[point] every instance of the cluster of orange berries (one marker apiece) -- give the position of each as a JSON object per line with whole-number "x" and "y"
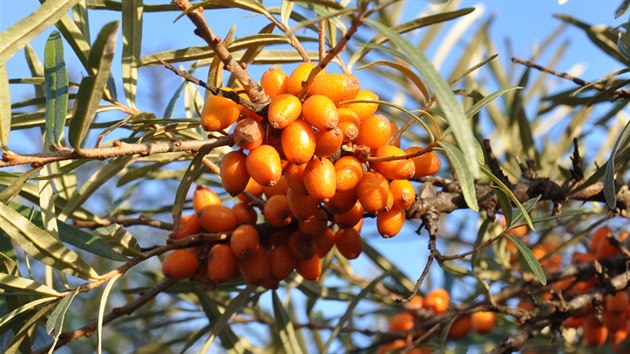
{"x": 436, "y": 302}
{"x": 313, "y": 167}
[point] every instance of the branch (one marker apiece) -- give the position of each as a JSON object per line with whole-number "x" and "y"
{"x": 124, "y": 221}
{"x": 10, "y": 158}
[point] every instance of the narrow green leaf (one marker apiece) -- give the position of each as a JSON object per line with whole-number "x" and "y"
{"x": 609, "y": 176}
{"x": 92, "y": 87}
{"x": 24, "y": 31}
{"x": 56, "y": 77}
{"x": 284, "y": 327}
{"x": 486, "y": 100}
{"x": 528, "y": 206}
{"x": 5, "y": 109}
{"x": 43, "y": 246}
{"x": 285, "y": 11}
{"x": 191, "y": 174}
{"x": 54, "y": 324}
{"x": 81, "y": 18}
{"x": 132, "y": 15}
{"x": 467, "y": 182}
{"x": 530, "y": 259}
{"x": 15, "y": 188}
{"x": 101, "y": 311}
{"x": 7, "y": 320}
{"x": 120, "y": 240}
{"x": 22, "y": 286}
{"x": 511, "y": 195}
{"x": 88, "y": 242}
{"x": 27, "y": 329}
{"x": 36, "y": 68}
{"x": 408, "y": 73}
{"x": 453, "y": 111}
{"x": 623, "y": 7}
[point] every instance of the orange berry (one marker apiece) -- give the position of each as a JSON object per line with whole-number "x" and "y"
{"x": 252, "y": 188}
{"x": 483, "y": 321}
{"x": 606, "y": 249}
{"x": 279, "y": 237}
{"x": 373, "y": 191}
{"x": 617, "y": 303}
{"x": 342, "y": 202}
{"x": 349, "y": 123}
{"x": 351, "y": 217}
{"x": 437, "y": 300}
{"x": 204, "y": 196}
{"x": 264, "y": 166}
{"x": 337, "y": 87}
{"x": 274, "y": 82}
{"x": 426, "y": 164}
{"x": 298, "y": 77}
{"x": 416, "y": 303}
{"x": 219, "y": 113}
{"x": 402, "y": 322}
{"x": 284, "y": 110}
{"x": 575, "y": 321}
{"x": 279, "y": 188}
{"x": 395, "y": 169}
{"x": 188, "y": 225}
{"x": 298, "y": 142}
{"x": 389, "y": 223}
{"x": 315, "y": 225}
{"x": 395, "y": 142}
{"x": 310, "y": 268}
{"x": 389, "y": 347}
{"x": 403, "y": 192}
{"x": 245, "y": 214}
{"x": 256, "y": 269}
{"x": 217, "y": 219}
{"x": 600, "y": 234}
{"x": 277, "y": 212}
{"x": 302, "y": 206}
{"x": 349, "y": 243}
{"x": 320, "y": 112}
{"x": 594, "y": 332}
{"x": 180, "y": 264}
{"x": 374, "y": 131}
{"x": 320, "y": 179}
{"x": 614, "y": 320}
{"x": 244, "y": 241}
{"x": 619, "y": 337}
{"x": 460, "y": 327}
{"x": 222, "y": 264}
{"x": 328, "y": 142}
{"x": 281, "y": 262}
{"x": 248, "y": 134}
{"x": 363, "y": 110}
{"x": 234, "y": 175}
{"x": 324, "y": 242}
{"x": 301, "y": 246}
{"x": 348, "y": 173}
{"x": 294, "y": 175}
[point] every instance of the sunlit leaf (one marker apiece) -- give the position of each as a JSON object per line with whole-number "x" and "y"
{"x": 132, "y": 15}
{"x": 22, "y": 286}
{"x": 24, "y": 332}
{"x": 530, "y": 259}
{"x": 54, "y": 324}
{"x": 5, "y": 109}
{"x": 56, "y": 77}
{"x": 408, "y": 73}
{"x": 284, "y": 326}
{"x": 101, "y": 311}
{"x": 467, "y": 182}
{"x": 14, "y": 315}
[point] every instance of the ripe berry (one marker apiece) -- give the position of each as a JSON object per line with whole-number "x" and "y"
{"x": 234, "y": 175}
{"x": 298, "y": 142}
{"x": 188, "y": 225}
{"x": 301, "y": 246}
{"x": 483, "y": 321}
{"x": 437, "y": 300}
{"x": 403, "y": 192}
{"x": 328, "y": 142}
{"x": 324, "y": 242}
{"x": 310, "y": 268}
{"x": 395, "y": 169}
{"x": 402, "y": 322}
{"x": 255, "y": 269}
{"x": 279, "y": 188}
{"x": 594, "y": 332}
{"x": 282, "y": 262}
{"x": 222, "y": 264}
{"x": 204, "y": 196}
{"x": 342, "y": 202}
{"x": 426, "y": 164}
{"x": 320, "y": 179}
{"x": 320, "y": 112}
{"x": 389, "y": 223}
{"x": 284, "y": 110}
{"x": 302, "y": 206}
{"x": 245, "y": 214}
{"x": 348, "y": 173}
{"x": 219, "y": 113}
{"x": 252, "y": 188}
{"x": 180, "y": 264}
{"x": 351, "y": 217}
{"x": 349, "y": 243}
{"x": 298, "y": 77}
{"x": 314, "y": 225}
{"x": 244, "y": 241}
{"x": 460, "y": 327}
{"x": 217, "y": 219}
{"x": 363, "y": 110}
{"x": 373, "y": 191}
{"x": 277, "y": 212}
{"x": 374, "y": 131}
{"x": 264, "y": 166}
{"x": 337, "y": 87}
{"x": 274, "y": 82}
{"x": 294, "y": 175}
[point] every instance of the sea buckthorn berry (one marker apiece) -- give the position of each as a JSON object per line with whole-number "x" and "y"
{"x": 245, "y": 214}
{"x": 217, "y": 219}
{"x": 320, "y": 179}
{"x": 328, "y": 142}
{"x": 416, "y": 303}
{"x": 282, "y": 262}
{"x": 460, "y": 327}
{"x": 277, "y": 212}
{"x": 309, "y": 269}
{"x": 302, "y": 206}
{"x": 594, "y": 332}
{"x": 348, "y": 173}
{"x": 320, "y": 112}
{"x": 437, "y": 300}
{"x": 351, "y": 217}
{"x": 298, "y": 142}
{"x": 222, "y": 264}
{"x": 180, "y": 264}
{"x": 274, "y": 82}
{"x": 606, "y": 249}
{"x": 394, "y": 169}
{"x": 301, "y": 246}
{"x": 324, "y": 242}
{"x": 233, "y": 170}
{"x": 600, "y": 234}
{"x": 349, "y": 243}
{"x": 315, "y": 225}
{"x": 204, "y": 196}
{"x": 256, "y": 269}
{"x": 298, "y": 77}
{"x": 277, "y": 238}
{"x": 575, "y": 321}
{"x": 363, "y": 110}
{"x": 389, "y": 347}
{"x": 264, "y": 166}
{"x": 244, "y": 241}
{"x": 483, "y": 321}
{"x": 396, "y": 141}
{"x": 374, "y": 131}
{"x": 617, "y": 303}
{"x": 248, "y": 134}
{"x": 427, "y": 164}
{"x": 188, "y": 225}
{"x": 337, "y": 87}
{"x": 349, "y": 123}
{"x": 389, "y": 223}
{"x": 294, "y": 175}
{"x": 373, "y": 191}
{"x": 342, "y": 202}
{"x": 613, "y": 321}
{"x": 219, "y": 113}
{"x": 284, "y": 110}
{"x": 252, "y": 188}
{"x": 403, "y": 192}
{"x": 279, "y": 188}
{"x": 402, "y": 322}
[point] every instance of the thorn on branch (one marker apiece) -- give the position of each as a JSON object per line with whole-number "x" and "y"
{"x": 576, "y": 170}
{"x": 493, "y": 163}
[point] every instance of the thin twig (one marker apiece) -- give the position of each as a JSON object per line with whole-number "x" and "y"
{"x": 124, "y": 221}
